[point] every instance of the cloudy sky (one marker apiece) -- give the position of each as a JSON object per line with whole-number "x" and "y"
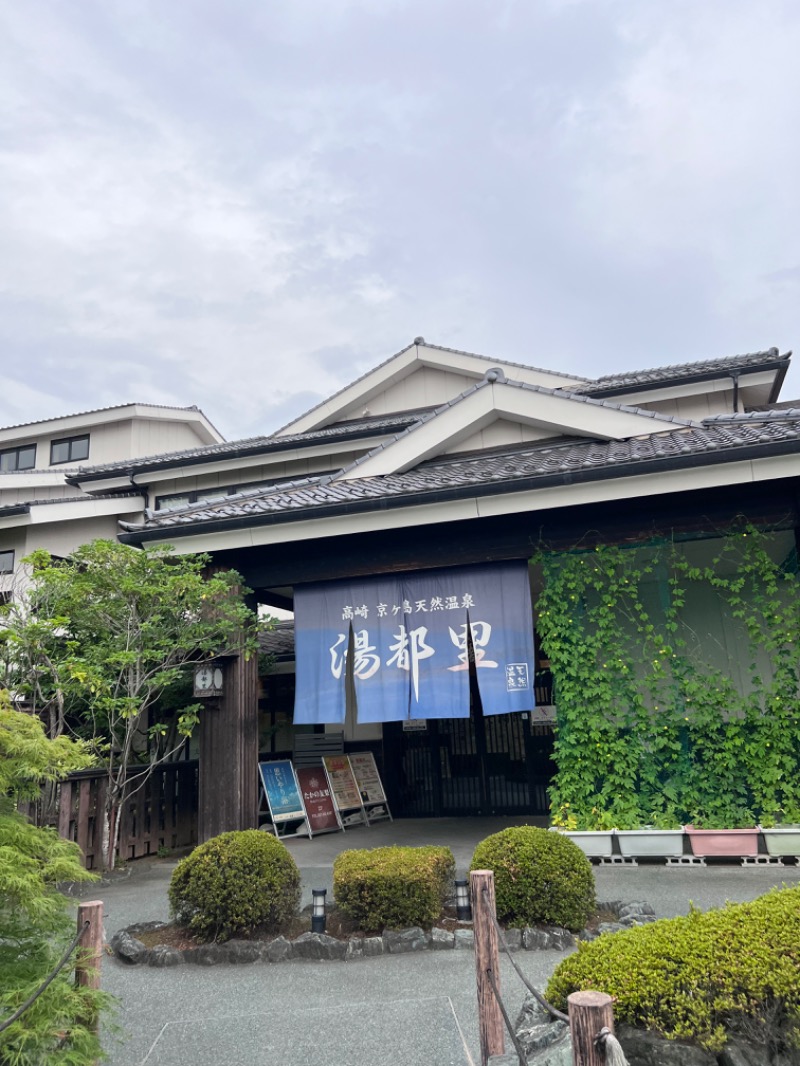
{"x": 244, "y": 204}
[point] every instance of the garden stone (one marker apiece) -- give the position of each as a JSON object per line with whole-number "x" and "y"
{"x": 164, "y": 955}
{"x": 631, "y": 920}
{"x": 242, "y": 951}
{"x": 539, "y": 1037}
{"x": 464, "y": 938}
{"x": 279, "y": 950}
{"x": 643, "y": 1048}
{"x": 404, "y": 940}
{"x": 211, "y": 954}
{"x": 609, "y": 927}
{"x": 319, "y": 946}
{"x": 373, "y": 945}
{"x": 355, "y": 948}
{"x": 535, "y": 939}
{"x": 128, "y": 949}
{"x": 737, "y": 1053}
{"x": 635, "y": 910}
{"x": 531, "y": 1013}
{"x": 561, "y": 939}
{"x": 513, "y": 939}
{"x": 441, "y": 940}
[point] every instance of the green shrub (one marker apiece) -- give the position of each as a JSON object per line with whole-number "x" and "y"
{"x": 389, "y": 888}
{"x": 539, "y": 876}
{"x": 736, "y": 968}
{"x": 234, "y": 883}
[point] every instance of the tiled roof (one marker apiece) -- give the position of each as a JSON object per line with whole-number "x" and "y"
{"x": 352, "y": 429}
{"x": 658, "y": 375}
{"x": 527, "y": 466}
{"x": 25, "y": 506}
{"x": 279, "y": 641}
{"x": 102, "y": 410}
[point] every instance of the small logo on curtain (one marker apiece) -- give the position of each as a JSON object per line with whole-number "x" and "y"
{"x": 516, "y": 676}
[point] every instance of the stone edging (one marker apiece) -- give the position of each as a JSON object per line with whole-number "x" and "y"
{"x": 319, "y": 946}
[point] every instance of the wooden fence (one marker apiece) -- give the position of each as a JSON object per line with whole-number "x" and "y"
{"x": 161, "y": 814}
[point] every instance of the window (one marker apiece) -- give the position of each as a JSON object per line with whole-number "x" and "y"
{"x": 69, "y": 450}
{"x": 23, "y": 458}
{"x": 6, "y": 562}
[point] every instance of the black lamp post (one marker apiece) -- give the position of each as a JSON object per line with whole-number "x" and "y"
{"x": 318, "y": 909}
{"x": 463, "y": 905}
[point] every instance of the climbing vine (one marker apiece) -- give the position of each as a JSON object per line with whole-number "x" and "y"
{"x": 652, "y": 727}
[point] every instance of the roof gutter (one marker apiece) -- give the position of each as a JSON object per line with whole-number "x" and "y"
{"x": 390, "y": 503}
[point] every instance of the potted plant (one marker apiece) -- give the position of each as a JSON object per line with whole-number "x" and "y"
{"x": 595, "y": 843}
{"x": 715, "y": 837}
{"x": 662, "y": 837}
{"x": 782, "y": 837}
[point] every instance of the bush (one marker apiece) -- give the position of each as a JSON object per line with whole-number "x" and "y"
{"x": 690, "y": 978}
{"x": 234, "y": 883}
{"x": 539, "y": 876}
{"x": 389, "y": 888}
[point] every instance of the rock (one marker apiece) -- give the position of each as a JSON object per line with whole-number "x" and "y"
{"x": 560, "y": 939}
{"x": 535, "y": 939}
{"x": 644, "y": 1048}
{"x": 513, "y": 938}
{"x": 211, "y": 954}
{"x": 280, "y": 949}
{"x": 464, "y": 938}
{"x": 737, "y": 1053}
{"x": 164, "y": 955}
{"x": 373, "y": 945}
{"x": 630, "y": 920}
{"x": 128, "y": 949}
{"x": 539, "y": 1037}
{"x": 146, "y": 927}
{"x": 531, "y": 1013}
{"x": 609, "y": 927}
{"x": 242, "y": 951}
{"x": 636, "y": 909}
{"x": 441, "y": 940}
{"x": 355, "y": 948}
{"x": 404, "y": 940}
{"x": 319, "y": 946}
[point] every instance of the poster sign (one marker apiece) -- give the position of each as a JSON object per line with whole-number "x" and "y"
{"x": 410, "y": 642}
{"x": 280, "y": 788}
{"x": 342, "y": 782}
{"x": 317, "y": 799}
{"x": 367, "y": 777}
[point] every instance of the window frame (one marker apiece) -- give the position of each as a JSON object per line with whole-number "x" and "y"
{"x": 69, "y": 441}
{"x": 16, "y": 451}
{"x": 9, "y": 552}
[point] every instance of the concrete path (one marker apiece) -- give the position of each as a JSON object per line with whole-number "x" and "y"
{"x": 408, "y": 1009}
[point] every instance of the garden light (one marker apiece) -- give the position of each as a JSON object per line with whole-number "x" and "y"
{"x": 463, "y": 905}
{"x": 318, "y": 909}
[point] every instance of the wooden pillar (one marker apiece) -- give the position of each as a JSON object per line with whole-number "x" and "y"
{"x": 90, "y": 945}
{"x": 228, "y": 770}
{"x": 589, "y": 1012}
{"x": 490, "y": 1018}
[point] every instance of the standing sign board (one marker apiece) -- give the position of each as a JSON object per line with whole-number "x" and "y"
{"x": 344, "y": 789}
{"x": 284, "y": 801}
{"x": 315, "y": 790}
{"x": 370, "y": 786}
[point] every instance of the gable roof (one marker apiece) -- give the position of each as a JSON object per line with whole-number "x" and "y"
{"x": 118, "y": 411}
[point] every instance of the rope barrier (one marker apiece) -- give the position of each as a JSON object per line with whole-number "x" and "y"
{"x": 514, "y": 1040}
{"x": 32, "y": 999}
{"x": 611, "y": 1047}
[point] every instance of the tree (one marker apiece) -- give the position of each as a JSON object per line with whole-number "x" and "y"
{"x": 36, "y": 926}
{"x": 106, "y": 635}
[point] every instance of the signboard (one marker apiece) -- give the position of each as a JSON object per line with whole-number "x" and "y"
{"x": 367, "y": 777}
{"x": 280, "y": 788}
{"x": 316, "y": 793}
{"x": 408, "y": 644}
{"x": 342, "y": 782}
{"x": 415, "y": 725}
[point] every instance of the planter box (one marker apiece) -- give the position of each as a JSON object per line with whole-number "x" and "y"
{"x": 782, "y": 840}
{"x": 731, "y": 843}
{"x": 655, "y": 843}
{"x": 594, "y": 843}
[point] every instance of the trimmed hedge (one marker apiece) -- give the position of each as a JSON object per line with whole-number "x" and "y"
{"x": 691, "y": 978}
{"x": 389, "y": 888}
{"x": 234, "y": 883}
{"x": 539, "y": 876}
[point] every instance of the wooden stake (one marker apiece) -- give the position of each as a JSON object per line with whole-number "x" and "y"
{"x": 490, "y": 1019}
{"x": 90, "y": 945}
{"x": 588, "y": 1013}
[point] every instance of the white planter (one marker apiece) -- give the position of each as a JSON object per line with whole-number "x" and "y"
{"x": 783, "y": 840}
{"x": 594, "y": 843}
{"x": 655, "y": 843}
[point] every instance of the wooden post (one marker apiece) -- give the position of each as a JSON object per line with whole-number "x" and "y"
{"x": 90, "y": 945}
{"x": 589, "y": 1012}
{"x": 490, "y": 1018}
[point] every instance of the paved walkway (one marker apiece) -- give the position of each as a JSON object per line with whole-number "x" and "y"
{"x": 412, "y": 1010}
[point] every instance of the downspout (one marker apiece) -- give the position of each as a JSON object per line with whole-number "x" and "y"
{"x": 735, "y": 380}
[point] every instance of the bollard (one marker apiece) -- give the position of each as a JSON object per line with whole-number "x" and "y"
{"x": 490, "y": 1018}
{"x": 90, "y": 945}
{"x": 589, "y": 1012}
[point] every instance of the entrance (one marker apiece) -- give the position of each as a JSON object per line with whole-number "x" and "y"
{"x": 499, "y": 764}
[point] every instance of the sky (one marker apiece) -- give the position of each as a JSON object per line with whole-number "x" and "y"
{"x": 245, "y": 205}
